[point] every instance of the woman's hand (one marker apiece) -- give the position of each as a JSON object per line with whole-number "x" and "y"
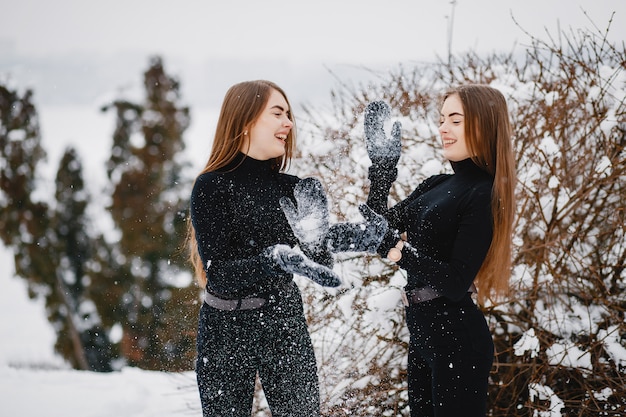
{"x": 359, "y": 237}
{"x": 309, "y": 217}
{"x": 382, "y": 150}
{"x": 294, "y": 262}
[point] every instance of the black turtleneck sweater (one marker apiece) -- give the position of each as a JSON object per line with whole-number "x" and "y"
{"x": 236, "y": 215}
{"x": 448, "y": 222}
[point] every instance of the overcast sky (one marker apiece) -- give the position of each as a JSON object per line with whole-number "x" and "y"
{"x": 78, "y": 54}
{"x": 74, "y": 50}
{"x": 344, "y": 30}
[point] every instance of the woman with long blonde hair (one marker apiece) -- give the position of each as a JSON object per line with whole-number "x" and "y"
{"x": 452, "y": 236}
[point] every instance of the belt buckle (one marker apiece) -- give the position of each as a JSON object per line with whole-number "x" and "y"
{"x": 405, "y": 300}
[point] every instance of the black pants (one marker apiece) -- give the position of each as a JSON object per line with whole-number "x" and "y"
{"x": 450, "y": 357}
{"x": 234, "y": 346}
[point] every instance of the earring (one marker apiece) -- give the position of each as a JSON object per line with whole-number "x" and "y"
{"x": 245, "y": 133}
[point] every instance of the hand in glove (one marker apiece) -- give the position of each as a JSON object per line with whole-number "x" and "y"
{"x": 309, "y": 219}
{"x": 359, "y": 237}
{"x": 381, "y": 150}
{"x": 294, "y": 262}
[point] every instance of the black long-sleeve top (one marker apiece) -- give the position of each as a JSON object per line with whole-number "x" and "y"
{"x": 448, "y": 222}
{"x": 236, "y": 215}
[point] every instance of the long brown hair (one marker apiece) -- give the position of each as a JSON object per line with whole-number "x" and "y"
{"x": 243, "y": 104}
{"x": 488, "y": 135}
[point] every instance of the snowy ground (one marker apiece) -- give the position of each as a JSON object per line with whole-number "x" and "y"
{"x": 63, "y": 393}
{"x": 35, "y": 382}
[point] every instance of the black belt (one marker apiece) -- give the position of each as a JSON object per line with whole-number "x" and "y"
{"x": 232, "y": 305}
{"x": 422, "y": 294}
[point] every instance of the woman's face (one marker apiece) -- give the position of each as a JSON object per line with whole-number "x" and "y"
{"x": 267, "y": 135}
{"x": 452, "y": 129}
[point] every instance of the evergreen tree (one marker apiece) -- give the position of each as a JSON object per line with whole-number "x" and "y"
{"x": 53, "y": 251}
{"x": 88, "y": 346}
{"x": 50, "y": 244}
{"x": 20, "y": 142}
{"x": 147, "y": 208}
{"x": 23, "y": 222}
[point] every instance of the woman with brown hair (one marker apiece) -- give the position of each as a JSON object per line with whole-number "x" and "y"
{"x": 251, "y": 321}
{"x": 452, "y": 236}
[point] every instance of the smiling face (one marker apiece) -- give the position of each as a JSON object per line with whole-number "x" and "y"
{"x": 267, "y": 136}
{"x": 452, "y": 129}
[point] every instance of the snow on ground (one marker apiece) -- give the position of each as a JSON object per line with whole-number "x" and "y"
{"x": 36, "y": 382}
{"x": 68, "y": 393}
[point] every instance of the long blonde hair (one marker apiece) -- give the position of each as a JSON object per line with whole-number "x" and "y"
{"x": 242, "y": 106}
{"x": 488, "y": 135}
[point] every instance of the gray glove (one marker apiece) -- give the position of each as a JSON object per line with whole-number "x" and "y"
{"x": 359, "y": 237}
{"x": 294, "y": 262}
{"x": 381, "y": 150}
{"x": 309, "y": 219}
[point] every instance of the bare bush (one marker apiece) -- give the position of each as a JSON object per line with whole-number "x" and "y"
{"x": 561, "y": 338}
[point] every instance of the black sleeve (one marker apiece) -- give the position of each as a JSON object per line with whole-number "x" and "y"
{"x": 395, "y": 216}
{"x": 381, "y": 179}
